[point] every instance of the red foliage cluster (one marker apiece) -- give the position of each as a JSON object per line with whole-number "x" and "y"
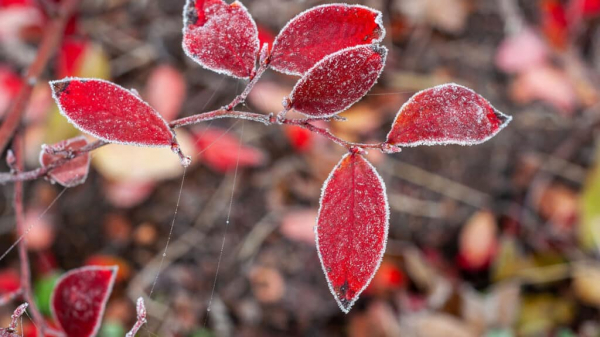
{"x": 335, "y": 49}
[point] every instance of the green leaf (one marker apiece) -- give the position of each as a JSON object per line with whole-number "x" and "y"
{"x": 42, "y": 290}
{"x": 112, "y": 329}
{"x": 589, "y": 227}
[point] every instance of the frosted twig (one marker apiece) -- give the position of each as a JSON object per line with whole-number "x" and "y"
{"x": 225, "y": 112}
{"x": 14, "y": 318}
{"x": 141, "y": 318}
{"x": 21, "y": 229}
{"x": 241, "y": 98}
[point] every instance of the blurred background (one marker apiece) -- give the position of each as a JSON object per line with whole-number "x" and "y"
{"x": 498, "y": 239}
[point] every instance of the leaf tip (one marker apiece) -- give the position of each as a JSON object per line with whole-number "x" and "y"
{"x": 381, "y": 50}
{"x": 503, "y": 118}
{"x": 59, "y": 86}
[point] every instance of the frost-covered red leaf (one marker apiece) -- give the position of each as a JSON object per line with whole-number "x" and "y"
{"x": 446, "y": 114}
{"x": 338, "y": 81}
{"x": 110, "y": 112}
{"x": 321, "y": 31}
{"x": 75, "y": 171}
{"x": 79, "y": 299}
{"x": 352, "y": 228}
{"x": 220, "y": 37}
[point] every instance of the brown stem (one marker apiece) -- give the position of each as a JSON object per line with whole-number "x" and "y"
{"x": 21, "y": 230}
{"x": 47, "y": 48}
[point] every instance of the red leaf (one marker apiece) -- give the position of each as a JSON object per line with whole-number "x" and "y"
{"x": 110, "y": 112}
{"x": 69, "y": 56}
{"x": 10, "y": 281}
{"x": 300, "y": 138}
{"x": 446, "y": 114}
{"x": 321, "y": 31}
{"x": 10, "y": 84}
{"x": 338, "y": 81}
{"x": 221, "y": 37}
{"x": 555, "y": 23}
{"x": 79, "y": 299}
{"x": 222, "y": 151}
{"x": 352, "y": 228}
{"x": 75, "y": 171}
{"x": 166, "y": 90}
{"x": 265, "y": 36}
{"x": 589, "y": 8}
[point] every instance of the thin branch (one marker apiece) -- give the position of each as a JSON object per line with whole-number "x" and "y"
{"x": 360, "y": 147}
{"x": 42, "y": 172}
{"x": 225, "y": 112}
{"x": 14, "y": 318}
{"x": 21, "y": 230}
{"x": 241, "y": 98}
{"x": 221, "y": 113}
{"x": 47, "y": 48}
{"x": 141, "y": 318}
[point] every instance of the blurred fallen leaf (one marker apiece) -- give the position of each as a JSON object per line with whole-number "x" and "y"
{"x": 546, "y": 83}
{"x": 222, "y": 151}
{"x": 105, "y": 260}
{"x": 379, "y": 320}
{"x": 419, "y": 270}
{"x": 42, "y": 233}
{"x": 298, "y": 225}
{"x": 521, "y": 51}
{"x": 434, "y": 325}
{"x": 80, "y": 57}
{"x": 268, "y": 285}
{"x": 361, "y": 119}
{"x": 10, "y": 84}
{"x": 478, "y": 241}
{"x": 16, "y": 17}
{"x": 300, "y": 138}
{"x": 10, "y": 281}
{"x": 554, "y": 22}
{"x": 540, "y": 314}
{"x": 165, "y": 91}
{"x": 267, "y": 96}
{"x": 130, "y": 164}
{"x": 509, "y": 260}
{"x": 559, "y": 204}
{"x": 588, "y": 231}
{"x": 117, "y": 227}
{"x": 586, "y": 283}
{"x": 446, "y": 15}
{"x": 124, "y": 194}
{"x": 499, "y": 307}
{"x": 388, "y": 277}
